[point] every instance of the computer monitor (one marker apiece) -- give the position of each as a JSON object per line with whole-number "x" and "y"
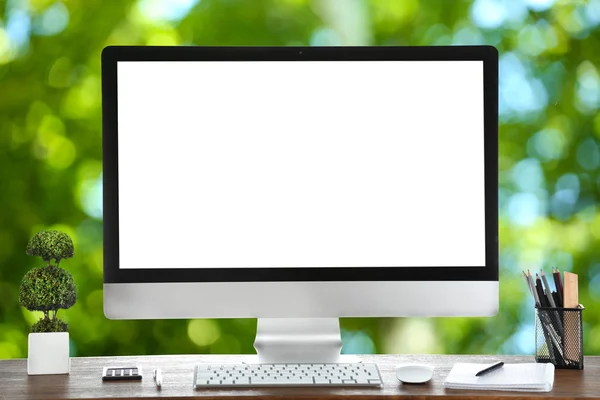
{"x": 298, "y": 185}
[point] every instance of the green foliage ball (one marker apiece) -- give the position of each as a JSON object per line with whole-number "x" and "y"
{"x": 51, "y": 245}
{"x": 47, "y": 288}
{"x": 49, "y": 325}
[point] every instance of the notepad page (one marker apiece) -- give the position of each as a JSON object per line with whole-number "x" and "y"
{"x": 518, "y": 377}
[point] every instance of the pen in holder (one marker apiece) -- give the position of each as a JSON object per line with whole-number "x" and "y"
{"x": 559, "y": 336}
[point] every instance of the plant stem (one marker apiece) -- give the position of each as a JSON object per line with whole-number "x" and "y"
{"x": 54, "y": 316}
{"x": 46, "y": 315}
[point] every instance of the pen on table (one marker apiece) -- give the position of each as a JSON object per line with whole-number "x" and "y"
{"x": 491, "y": 368}
{"x": 158, "y": 378}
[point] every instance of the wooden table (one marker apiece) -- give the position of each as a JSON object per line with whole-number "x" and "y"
{"x": 84, "y": 381}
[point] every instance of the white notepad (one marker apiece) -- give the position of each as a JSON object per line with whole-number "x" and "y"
{"x": 527, "y": 377}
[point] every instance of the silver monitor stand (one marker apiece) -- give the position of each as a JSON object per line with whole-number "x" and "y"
{"x": 299, "y": 340}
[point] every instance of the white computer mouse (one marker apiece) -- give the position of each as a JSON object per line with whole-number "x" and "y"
{"x": 414, "y": 373}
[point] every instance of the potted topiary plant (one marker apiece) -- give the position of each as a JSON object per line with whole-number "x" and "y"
{"x": 48, "y": 289}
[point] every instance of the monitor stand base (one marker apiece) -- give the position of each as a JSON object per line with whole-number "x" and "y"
{"x": 299, "y": 340}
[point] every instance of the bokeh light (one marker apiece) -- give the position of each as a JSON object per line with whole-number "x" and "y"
{"x": 51, "y": 169}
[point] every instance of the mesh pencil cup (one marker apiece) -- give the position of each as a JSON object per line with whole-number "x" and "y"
{"x": 559, "y": 336}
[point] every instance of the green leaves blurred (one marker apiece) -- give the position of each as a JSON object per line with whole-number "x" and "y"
{"x": 50, "y": 149}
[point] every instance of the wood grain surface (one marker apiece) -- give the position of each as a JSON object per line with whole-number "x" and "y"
{"x": 84, "y": 381}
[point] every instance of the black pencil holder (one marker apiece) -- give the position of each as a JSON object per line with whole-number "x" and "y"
{"x": 559, "y": 337}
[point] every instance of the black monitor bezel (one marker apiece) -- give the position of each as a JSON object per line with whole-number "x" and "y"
{"x": 113, "y": 54}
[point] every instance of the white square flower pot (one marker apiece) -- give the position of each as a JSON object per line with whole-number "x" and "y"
{"x": 48, "y": 353}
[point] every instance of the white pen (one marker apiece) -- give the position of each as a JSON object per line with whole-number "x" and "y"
{"x": 158, "y": 378}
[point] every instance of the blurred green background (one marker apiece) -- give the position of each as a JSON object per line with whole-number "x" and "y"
{"x": 50, "y": 151}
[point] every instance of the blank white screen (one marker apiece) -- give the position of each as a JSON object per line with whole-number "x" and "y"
{"x": 301, "y": 164}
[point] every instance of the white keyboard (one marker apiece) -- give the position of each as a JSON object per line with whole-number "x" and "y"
{"x": 254, "y": 375}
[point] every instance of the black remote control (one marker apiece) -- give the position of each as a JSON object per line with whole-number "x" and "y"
{"x": 121, "y": 374}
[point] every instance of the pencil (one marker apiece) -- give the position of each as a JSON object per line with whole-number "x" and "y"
{"x": 548, "y": 291}
{"x": 559, "y": 288}
{"x": 527, "y": 283}
{"x": 540, "y": 291}
{"x": 555, "y": 316}
{"x": 533, "y": 292}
